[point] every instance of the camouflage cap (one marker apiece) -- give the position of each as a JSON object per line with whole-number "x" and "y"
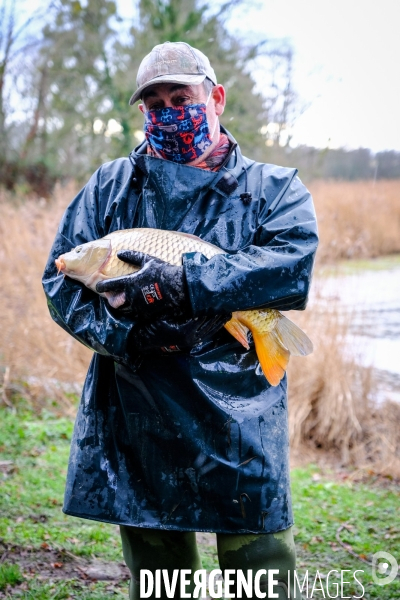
{"x": 173, "y": 62}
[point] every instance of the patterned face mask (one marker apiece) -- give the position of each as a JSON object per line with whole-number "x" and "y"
{"x": 179, "y": 134}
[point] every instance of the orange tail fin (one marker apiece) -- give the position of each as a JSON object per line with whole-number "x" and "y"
{"x": 273, "y": 357}
{"x": 273, "y": 346}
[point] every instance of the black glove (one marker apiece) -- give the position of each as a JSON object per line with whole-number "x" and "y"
{"x": 157, "y": 290}
{"x": 170, "y": 336}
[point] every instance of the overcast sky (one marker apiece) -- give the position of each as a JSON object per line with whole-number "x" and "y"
{"x": 347, "y": 66}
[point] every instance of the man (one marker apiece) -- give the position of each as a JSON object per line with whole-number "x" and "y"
{"x": 178, "y": 430}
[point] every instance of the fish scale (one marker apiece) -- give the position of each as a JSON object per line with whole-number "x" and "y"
{"x": 160, "y": 244}
{"x": 263, "y": 320}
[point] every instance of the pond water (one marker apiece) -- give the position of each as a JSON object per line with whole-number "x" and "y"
{"x": 370, "y": 300}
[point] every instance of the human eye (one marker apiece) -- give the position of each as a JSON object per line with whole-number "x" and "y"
{"x": 155, "y": 106}
{"x": 181, "y": 100}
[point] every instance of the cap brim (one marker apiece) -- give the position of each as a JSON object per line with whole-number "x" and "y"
{"x": 184, "y": 79}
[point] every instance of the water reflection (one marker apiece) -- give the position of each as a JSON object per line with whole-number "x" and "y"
{"x": 372, "y": 299}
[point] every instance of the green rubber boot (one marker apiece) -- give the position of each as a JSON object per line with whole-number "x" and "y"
{"x": 264, "y": 551}
{"x": 154, "y": 549}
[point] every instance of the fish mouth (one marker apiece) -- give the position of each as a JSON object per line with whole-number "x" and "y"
{"x": 60, "y": 264}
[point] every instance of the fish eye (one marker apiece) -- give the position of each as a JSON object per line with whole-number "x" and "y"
{"x": 78, "y": 249}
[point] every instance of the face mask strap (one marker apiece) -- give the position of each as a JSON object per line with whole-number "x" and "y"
{"x": 216, "y": 122}
{"x": 215, "y": 127}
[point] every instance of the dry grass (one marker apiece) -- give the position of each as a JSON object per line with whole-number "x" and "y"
{"x": 331, "y": 398}
{"x": 357, "y": 219}
{"x": 35, "y": 354}
{"x": 332, "y": 402}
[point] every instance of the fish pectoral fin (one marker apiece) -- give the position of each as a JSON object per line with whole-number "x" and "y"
{"x": 238, "y": 330}
{"x": 115, "y": 299}
{"x": 292, "y": 337}
{"x": 273, "y": 356}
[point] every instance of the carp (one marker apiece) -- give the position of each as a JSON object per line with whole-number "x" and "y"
{"x": 275, "y": 336}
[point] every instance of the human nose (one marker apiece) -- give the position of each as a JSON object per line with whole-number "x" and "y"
{"x": 173, "y": 102}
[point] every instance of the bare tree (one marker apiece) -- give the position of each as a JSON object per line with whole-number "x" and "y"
{"x": 272, "y": 66}
{"x": 17, "y": 39}
{"x": 281, "y": 100}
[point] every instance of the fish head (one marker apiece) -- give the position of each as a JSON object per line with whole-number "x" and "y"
{"x": 85, "y": 262}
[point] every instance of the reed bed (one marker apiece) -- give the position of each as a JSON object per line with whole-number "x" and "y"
{"x": 332, "y": 401}
{"x": 331, "y": 398}
{"x": 38, "y": 359}
{"x": 359, "y": 219}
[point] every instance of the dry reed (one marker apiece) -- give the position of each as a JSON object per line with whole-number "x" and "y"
{"x": 332, "y": 401}
{"x": 36, "y": 356}
{"x": 331, "y": 398}
{"x": 358, "y": 219}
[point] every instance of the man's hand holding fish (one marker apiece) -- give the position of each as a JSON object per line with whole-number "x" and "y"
{"x": 156, "y": 290}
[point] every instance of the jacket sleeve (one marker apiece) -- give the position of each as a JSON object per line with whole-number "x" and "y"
{"x": 80, "y": 311}
{"x": 274, "y": 271}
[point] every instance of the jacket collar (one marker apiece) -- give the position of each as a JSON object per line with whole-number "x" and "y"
{"x": 226, "y": 181}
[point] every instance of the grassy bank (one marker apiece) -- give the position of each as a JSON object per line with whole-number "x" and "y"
{"x": 358, "y": 266}
{"x": 46, "y": 555}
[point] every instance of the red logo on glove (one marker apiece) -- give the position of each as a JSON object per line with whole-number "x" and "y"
{"x": 169, "y": 349}
{"x": 151, "y": 293}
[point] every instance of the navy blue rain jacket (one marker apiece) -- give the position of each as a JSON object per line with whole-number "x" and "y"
{"x": 195, "y": 440}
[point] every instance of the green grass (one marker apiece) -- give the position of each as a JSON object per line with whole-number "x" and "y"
{"x": 31, "y": 491}
{"x": 371, "y": 513}
{"x": 31, "y": 497}
{"x": 359, "y": 265}
{"x": 11, "y": 575}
